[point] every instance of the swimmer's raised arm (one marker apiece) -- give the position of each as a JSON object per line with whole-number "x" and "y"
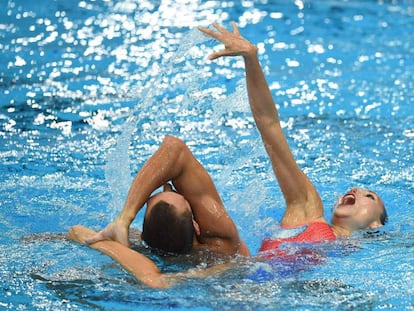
{"x": 161, "y": 167}
{"x": 303, "y": 203}
{"x": 174, "y": 162}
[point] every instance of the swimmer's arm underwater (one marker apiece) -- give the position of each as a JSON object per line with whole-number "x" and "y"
{"x": 141, "y": 267}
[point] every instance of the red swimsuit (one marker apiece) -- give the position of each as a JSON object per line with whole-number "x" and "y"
{"x": 316, "y": 232}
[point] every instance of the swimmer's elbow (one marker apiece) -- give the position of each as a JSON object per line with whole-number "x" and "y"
{"x": 173, "y": 142}
{"x": 159, "y": 281}
{"x": 243, "y": 249}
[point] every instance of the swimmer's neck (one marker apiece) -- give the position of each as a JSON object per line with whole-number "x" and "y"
{"x": 341, "y": 231}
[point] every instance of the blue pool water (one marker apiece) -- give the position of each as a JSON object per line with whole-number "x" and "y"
{"x": 90, "y": 88}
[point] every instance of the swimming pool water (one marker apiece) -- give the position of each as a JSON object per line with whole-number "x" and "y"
{"x": 90, "y": 88}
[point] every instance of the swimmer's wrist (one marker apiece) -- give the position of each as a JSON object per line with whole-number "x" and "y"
{"x": 124, "y": 220}
{"x": 251, "y": 52}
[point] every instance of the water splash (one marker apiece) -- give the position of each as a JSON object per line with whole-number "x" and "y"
{"x": 118, "y": 164}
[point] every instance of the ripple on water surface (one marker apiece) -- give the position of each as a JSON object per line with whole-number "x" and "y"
{"x": 89, "y": 89}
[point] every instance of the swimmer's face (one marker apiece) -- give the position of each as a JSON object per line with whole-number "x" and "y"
{"x": 358, "y": 209}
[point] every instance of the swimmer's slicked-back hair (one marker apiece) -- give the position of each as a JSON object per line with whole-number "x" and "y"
{"x": 384, "y": 217}
{"x": 166, "y": 231}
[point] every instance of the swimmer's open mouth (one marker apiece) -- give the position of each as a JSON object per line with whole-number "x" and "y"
{"x": 348, "y": 199}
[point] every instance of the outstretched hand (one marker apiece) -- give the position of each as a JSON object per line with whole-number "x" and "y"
{"x": 80, "y": 234}
{"x": 234, "y": 43}
{"x": 115, "y": 231}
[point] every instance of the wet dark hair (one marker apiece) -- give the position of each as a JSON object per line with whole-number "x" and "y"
{"x": 166, "y": 231}
{"x": 384, "y": 217}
